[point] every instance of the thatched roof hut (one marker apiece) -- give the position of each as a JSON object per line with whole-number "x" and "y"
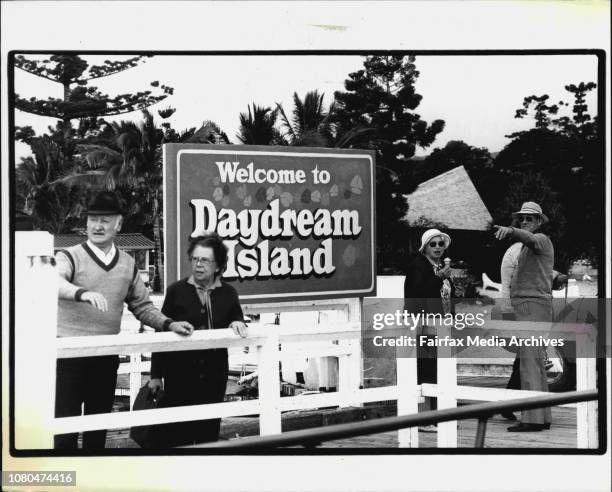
{"x": 450, "y": 202}
{"x": 450, "y": 199}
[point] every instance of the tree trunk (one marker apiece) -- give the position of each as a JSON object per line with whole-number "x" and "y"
{"x": 158, "y": 280}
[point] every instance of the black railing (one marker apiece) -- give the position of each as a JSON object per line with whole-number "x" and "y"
{"x": 311, "y": 438}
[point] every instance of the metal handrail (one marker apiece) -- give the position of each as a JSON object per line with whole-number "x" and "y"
{"x": 482, "y": 411}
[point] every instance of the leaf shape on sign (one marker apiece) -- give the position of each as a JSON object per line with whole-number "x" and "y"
{"x": 226, "y": 189}
{"x": 357, "y": 185}
{"x": 260, "y": 196}
{"x": 270, "y": 193}
{"x": 247, "y": 201}
{"x": 241, "y": 192}
{"x": 347, "y": 193}
{"x": 325, "y": 199}
{"x": 218, "y": 194}
{"x": 349, "y": 256}
{"x": 333, "y": 191}
{"x": 305, "y": 198}
{"x": 315, "y": 196}
{"x": 226, "y": 200}
{"x": 286, "y": 199}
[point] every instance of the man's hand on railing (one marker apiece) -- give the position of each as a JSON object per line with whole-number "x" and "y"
{"x": 155, "y": 385}
{"x": 96, "y": 299}
{"x": 181, "y": 327}
{"x": 239, "y": 327}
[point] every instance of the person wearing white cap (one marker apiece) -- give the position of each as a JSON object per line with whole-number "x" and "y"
{"x": 428, "y": 288}
{"x": 531, "y": 300}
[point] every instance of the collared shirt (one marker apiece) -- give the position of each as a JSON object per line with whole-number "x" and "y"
{"x": 508, "y": 268}
{"x": 105, "y": 258}
{"x": 204, "y": 295}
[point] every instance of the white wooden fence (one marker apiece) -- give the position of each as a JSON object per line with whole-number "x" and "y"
{"x": 35, "y": 328}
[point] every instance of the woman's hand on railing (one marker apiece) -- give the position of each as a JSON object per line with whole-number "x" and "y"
{"x": 240, "y": 328}
{"x": 181, "y": 327}
{"x": 155, "y": 385}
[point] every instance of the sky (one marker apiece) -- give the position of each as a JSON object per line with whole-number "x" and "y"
{"x": 475, "y": 95}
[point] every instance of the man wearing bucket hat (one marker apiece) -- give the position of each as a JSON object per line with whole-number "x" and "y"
{"x": 531, "y": 300}
{"x": 428, "y": 289}
{"x": 95, "y": 280}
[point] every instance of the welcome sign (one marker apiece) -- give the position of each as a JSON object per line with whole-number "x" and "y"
{"x": 298, "y": 222}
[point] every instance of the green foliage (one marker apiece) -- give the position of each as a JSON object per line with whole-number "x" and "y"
{"x": 257, "y": 127}
{"x": 45, "y": 188}
{"x": 378, "y": 107}
{"x": 309, "y": 123}
{"x": 532, "y": 186}
{"x": 209, "y": 133}
{"x": 80, "y": 100}
{"x": 541, "y": 111}
{"x": 454, "y": 153}
{"x": 130, "y": 163}
{"x": 56, "y": 178}
{"x": 382, "y": 96}
{"x": 566, "y": 156}
{"x": 166, "y": 113}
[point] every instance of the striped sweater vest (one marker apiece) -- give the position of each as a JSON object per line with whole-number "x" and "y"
{"x": 113, "y": 281}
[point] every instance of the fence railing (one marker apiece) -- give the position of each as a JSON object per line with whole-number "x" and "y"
{"x": 482, "y": 411}
{"x": 265, "y": 338}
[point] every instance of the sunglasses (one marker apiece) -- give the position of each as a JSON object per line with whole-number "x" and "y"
{"x": 439, "y": 244}
{"x": 525, "y": 218}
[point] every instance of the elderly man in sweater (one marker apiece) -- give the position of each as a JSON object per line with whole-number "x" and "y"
{"x": 531, "y": 299}
{"x": 95, "y": 280}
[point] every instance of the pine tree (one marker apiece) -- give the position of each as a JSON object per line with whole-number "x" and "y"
{"x": 80, "y": 102}
{"x": 382, "y": 98}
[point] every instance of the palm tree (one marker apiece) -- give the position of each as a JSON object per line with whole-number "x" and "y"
{"x": 208, "y": 133}
{"x": 257, "y": 127}
{"x": 46, "y": 189}
{"x": 130, "y": 163}
{"x": 310, "y": 124}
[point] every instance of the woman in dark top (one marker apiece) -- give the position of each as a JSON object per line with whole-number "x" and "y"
{"x": 428, "y": 289}
{"x": 194, "y": 377}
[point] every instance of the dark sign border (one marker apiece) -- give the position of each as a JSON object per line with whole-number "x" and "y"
{"x": 173, "y": 248}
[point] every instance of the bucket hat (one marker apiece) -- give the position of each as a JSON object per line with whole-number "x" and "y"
{"x": 430, "y": 233}
{"x": 531, "y": 208}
